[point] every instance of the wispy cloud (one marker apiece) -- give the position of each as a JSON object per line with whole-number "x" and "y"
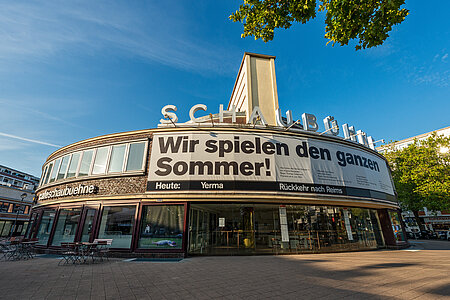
{"x": 28, "y": 140}
{"x": 434, "y": 71}
{"x": 154, "y": 32}
{"x": 26, "y": 107}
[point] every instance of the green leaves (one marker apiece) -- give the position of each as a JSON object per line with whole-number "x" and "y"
{"x": 421, "y": 174}
{"x": 261, "y": 17}
{"x": 368, "y": 21}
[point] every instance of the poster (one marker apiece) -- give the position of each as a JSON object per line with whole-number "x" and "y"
{"x": 221, "y": 161}
{"x": 284, "y": 225}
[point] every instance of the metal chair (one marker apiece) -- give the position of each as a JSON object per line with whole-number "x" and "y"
{"x": 8, "y": 251}
{"x": 102, "y": 249}
{"x": 69, "y": 253}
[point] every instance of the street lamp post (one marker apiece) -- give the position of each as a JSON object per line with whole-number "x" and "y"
{"x": 13, "y": 229}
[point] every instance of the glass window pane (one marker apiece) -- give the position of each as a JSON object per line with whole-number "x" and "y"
{"x": 73, "y": 165}
{"x": 2, "y": 223}
{"x": 55, "y": 170}
{"x": 117, "y": 156}
{"x": 88, "y": 225}
{"x": 47, "y": 175}
{"x": 45, "y": 227}
{"x": 86, "y": 163}
{"x": 66, "y": 226}
{"x": 24, "y": 228}
{"x": 44, "y": 173}
{"x": 100, "y": 160}
{"x": 6, "y": 228}
{"x": 135, "y": 156}
{"x": 117, "y": 224}
{"x": 396, "y": 226}
{"x": 162, "y": 227}
{"x": 63, "y": 168}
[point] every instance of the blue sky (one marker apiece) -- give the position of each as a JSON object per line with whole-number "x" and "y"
{"x": 79, "y": 69}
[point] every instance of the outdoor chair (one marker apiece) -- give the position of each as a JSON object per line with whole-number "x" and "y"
{"x": 69, "y": 253}
{"x": 8, "y": 251}
{"x": 102, "y": 249}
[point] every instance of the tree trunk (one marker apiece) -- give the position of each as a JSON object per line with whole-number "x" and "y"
{"x": 418, "y": 220}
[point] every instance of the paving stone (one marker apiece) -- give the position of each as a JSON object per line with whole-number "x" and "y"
{"x": 387, "y": 274}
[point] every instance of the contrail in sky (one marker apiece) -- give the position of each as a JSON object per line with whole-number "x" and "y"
{"x": 28, "y": 140}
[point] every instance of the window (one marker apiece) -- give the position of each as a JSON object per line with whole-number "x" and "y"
{"x": 86, "y": 163}
{"x": 117, "y": 157}
{"x": 4, "y": 207}
{"x": 41, "y": 182}
{"x": 88, "y": 225}
{"x": 117, "y": 224}
{"x": 47, "y": 175}
{"x": 396, "y": 226}
{"x": 66, "y": 226}
{"x": 6, "y": 228}
{"x": 162, "y": 227}
{"x": 73, "y": 165}
{"x": 63, "y": 168}
{"x": 45, "y": 227}
{"x": 101, "y": 158}
{"x": 135, "y": 156}
{"x": 55, "y": 170}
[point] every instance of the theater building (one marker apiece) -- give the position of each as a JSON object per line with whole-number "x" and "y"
{"x": 243, "y": 180}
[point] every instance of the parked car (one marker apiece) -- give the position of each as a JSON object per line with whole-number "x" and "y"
{"x": 426, "y": 234}
{"x": 413, "y": 234}
{"x": 442, "y": 235}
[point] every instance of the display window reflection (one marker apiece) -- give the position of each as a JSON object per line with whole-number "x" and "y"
{"x": 396, "y": 226}
{"x": 162, "y": 227}
{"x": 88, "y": 225}
{"x": 261, "y": 228}
{"x": 45, "y": 227}
{"x": 66, "y": 226}
{"x": 117, "y": 224}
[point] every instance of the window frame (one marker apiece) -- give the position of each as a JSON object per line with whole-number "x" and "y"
{"x": 144, "y": 157}
{"x": 67, "y": 167}
{"x": 137, "y": 210}
{"x": 108, "y": 154}
{"x": 139, "y": 220}
{"x": 123, "y": 161}
{"x": 78, "y": 164}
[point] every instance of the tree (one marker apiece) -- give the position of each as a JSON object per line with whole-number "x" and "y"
{"x": 368, "y": 21}
{"x": 421, "y": 174}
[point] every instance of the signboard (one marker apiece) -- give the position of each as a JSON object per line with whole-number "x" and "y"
{"x": 68, "y": 191}
{"x": 224, "y": 161}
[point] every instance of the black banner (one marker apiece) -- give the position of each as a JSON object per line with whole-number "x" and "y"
{"x": 289, "y": 187}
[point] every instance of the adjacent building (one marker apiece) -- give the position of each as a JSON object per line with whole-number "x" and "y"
{"x": 17, "y": 191}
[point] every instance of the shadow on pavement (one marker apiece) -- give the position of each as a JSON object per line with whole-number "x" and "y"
{"x": 443, "y": 290}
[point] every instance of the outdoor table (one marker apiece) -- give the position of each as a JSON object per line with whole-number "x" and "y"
{"x": 87, "y": 250}
{"x": 27, "y": 248}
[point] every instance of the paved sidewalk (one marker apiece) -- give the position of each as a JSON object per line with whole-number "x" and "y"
{"x": 421, "y": 272}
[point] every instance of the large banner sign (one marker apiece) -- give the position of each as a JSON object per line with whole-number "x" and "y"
{"x": 226, "y": 161}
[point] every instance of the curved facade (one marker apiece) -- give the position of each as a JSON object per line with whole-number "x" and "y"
{"x": 246, "y": 180}
{"x": 228, "y": 190}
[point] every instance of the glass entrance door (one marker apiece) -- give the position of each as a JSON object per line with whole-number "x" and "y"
{"x": 222, "y": 229}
